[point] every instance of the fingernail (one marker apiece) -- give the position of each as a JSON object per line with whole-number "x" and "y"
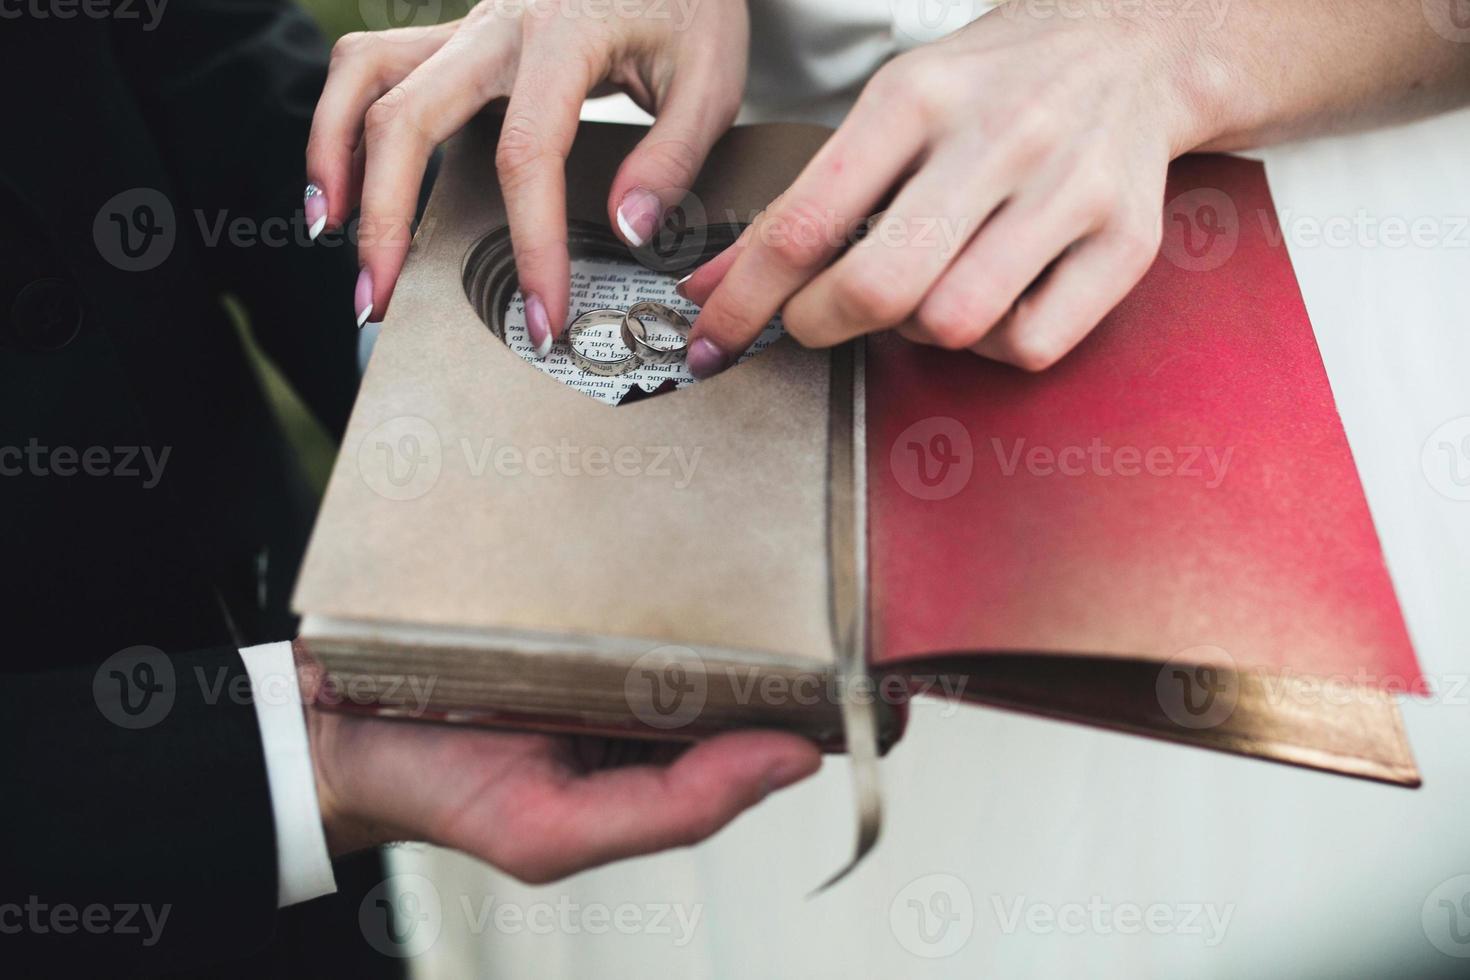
{"x": 679, "y": 286}
{"x": 783, "y": 774}
{"x": 638, "y": 215}
{"x": 362, "y": 296}
{"x": 538, "y": 326}
{"x": 316, "y": 211}
{"x": 706, "y": 359}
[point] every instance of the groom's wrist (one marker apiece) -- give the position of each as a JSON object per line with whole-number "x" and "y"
{"x": 303, "y": 864}
{"x": 345, "y": 822}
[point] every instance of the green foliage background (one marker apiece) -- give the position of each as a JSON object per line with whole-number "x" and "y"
{"x": 338, "y": 17}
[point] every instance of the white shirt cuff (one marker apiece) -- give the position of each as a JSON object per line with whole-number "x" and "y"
{"x": 303, "y": 866}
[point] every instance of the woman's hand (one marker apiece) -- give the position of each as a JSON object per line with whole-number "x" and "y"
{"x": 1023, "y": 165}
{"x": 391, "y": 97}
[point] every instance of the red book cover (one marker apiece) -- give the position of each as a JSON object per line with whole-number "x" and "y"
{"x": 1178, "y": 490}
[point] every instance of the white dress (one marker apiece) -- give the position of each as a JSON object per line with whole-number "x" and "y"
{"x": 1018, "y": 847}
{"x": 810, "y": 58}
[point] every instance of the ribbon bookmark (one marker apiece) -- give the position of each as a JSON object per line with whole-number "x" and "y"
{"x": 847, "y": 546}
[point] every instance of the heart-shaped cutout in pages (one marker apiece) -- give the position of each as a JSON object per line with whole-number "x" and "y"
{"x": 605, "y": 277}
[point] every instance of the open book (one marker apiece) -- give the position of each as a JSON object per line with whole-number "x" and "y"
{"x": 1165, "y": 534}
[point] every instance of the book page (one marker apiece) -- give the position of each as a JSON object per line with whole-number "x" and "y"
{"x": 609, "y": 284}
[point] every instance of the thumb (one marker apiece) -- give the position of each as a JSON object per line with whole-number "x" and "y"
{"x": 661, "y": 168}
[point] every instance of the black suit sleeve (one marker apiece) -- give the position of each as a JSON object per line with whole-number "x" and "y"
{"x": 139, "y": 834}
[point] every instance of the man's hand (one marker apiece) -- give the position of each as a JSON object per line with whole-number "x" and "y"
{"x": 535, "y": 806}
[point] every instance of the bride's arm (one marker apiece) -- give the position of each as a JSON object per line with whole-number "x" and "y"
{"x": 1277, "y": 70}
{"x": 1038, "y": 139}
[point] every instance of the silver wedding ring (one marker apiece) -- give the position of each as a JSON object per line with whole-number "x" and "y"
{"x": 635, "y": 333}
{"x": 607, "y": 367}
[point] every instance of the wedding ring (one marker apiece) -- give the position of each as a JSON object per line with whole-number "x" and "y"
{"x": 607, "y": 367}
{"x": 635, "y": 333}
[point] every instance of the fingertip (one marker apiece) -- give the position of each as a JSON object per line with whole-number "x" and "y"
{"x": 364, "y": 299}
{"x": 315, "y": 207}
{"x": 706, "y": 358}
{"x": 538, "y": 326}
{"x": 765, "y": 760}
{"x": 698, "y": 286}
{"x": 375, "y": 281}
{"x": 792, "y": 769}
{"x": 549, "y": 283}
{"x": 637, "y": 215}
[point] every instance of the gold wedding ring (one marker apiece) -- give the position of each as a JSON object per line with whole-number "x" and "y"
{"x": 635, "y": 333}
{"x": 607, "y": 367}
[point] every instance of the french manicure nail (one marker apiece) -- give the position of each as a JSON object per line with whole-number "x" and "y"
{"x": 362, "y": 296}
{"x": 638, "y": 215}
{"x": 705, "y": 359}
{"x": 538, "y": 326}
{"x": 316, "y": 211}
{"x": 679, "y": 286}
